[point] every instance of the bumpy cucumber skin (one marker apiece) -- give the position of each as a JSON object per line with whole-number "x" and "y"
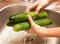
{"x": 42, "y": 15}
{"x": 21, "y": 17}
{"x": 26, "y": 25}
{"x": 18, "y": 17}
{"x": 43, "y": 22}
{"x": 21, "y": 26}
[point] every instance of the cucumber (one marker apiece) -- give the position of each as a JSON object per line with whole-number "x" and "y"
{"x": 21, "y": 26}
{"x": 42, "y": 15}
{"x": 21, "y": 17}
{"x": 10, "y": 23}
{"x": 26, "y": 25}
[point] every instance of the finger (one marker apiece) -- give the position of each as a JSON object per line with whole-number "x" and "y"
{"x": 30, "y": 20}
{"x": 35, "y": 4}
{"x": 40, "y": 7}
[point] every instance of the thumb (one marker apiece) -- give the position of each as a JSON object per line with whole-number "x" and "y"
{"x": 30, "y": 20}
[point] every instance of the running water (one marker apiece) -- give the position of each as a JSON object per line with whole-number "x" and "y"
{"x": 8, "y": 36}
{"x": 34, "y": 39}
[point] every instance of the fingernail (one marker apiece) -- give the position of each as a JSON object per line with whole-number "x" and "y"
{"x": 36, "y": 13}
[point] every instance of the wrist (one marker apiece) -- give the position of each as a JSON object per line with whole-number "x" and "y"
{"x": 42, "y": 32}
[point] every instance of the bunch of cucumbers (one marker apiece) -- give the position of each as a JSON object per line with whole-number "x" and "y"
{"x": 20, "y": 22}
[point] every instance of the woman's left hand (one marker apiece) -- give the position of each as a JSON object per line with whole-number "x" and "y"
{"x": 35, "y": 29}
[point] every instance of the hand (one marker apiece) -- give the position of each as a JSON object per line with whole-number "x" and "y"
{"x": 35, "y": 29}
{"x": 38, "y": 5}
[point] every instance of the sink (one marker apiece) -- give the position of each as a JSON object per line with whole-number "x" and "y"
{"x": 8, "y": 36}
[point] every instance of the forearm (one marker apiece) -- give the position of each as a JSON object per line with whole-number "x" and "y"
{"x": 53, "y": 32}
{"x": 49, "y": 32}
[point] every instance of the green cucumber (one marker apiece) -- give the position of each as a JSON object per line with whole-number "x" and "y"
{"x": 21, "y": 17}
{"x": 26, "y": 25}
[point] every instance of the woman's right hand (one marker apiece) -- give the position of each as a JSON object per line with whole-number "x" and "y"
{"x": 38, "y": 5}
